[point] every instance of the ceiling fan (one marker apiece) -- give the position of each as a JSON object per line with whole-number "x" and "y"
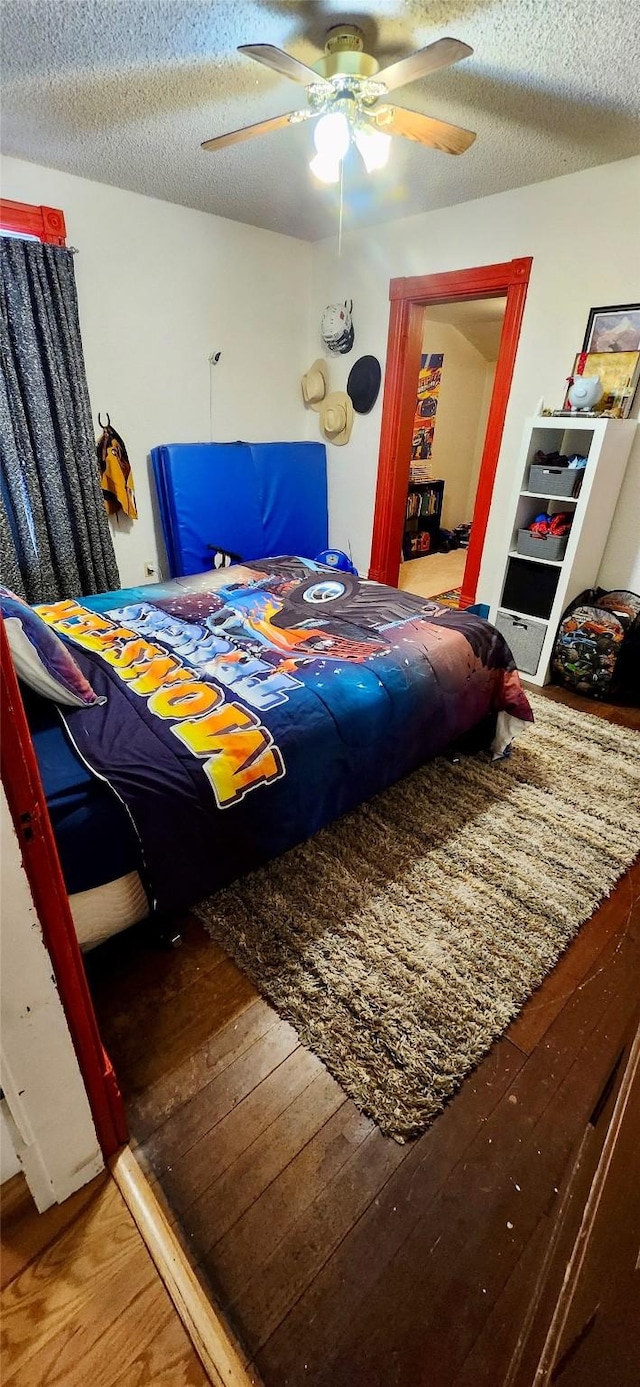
{"x": 346, "y": 94}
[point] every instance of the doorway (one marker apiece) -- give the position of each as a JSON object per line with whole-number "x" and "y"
{"x": 412, "y": 302}
{"x": 460, "y": 348}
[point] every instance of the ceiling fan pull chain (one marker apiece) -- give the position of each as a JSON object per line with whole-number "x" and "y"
{"x": 340, "y": 216}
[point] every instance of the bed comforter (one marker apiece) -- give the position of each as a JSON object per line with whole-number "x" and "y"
{"x": 247, "y": 707}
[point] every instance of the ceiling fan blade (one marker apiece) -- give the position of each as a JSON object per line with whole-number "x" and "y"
{"x": 442, "y": 53}
{"x": 280, "y": 61}
{"x": 438, "y": 134}
{"x": 261, "y": 128}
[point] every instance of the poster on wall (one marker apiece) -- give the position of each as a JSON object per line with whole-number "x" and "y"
{"x": 426, "y": 406}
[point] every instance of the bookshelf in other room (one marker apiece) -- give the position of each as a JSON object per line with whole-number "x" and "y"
{"x": 423, "y": 515}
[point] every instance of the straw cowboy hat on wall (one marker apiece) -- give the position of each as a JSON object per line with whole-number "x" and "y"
{"x": 315, "y": 384}
{"x": 336, "y": 418}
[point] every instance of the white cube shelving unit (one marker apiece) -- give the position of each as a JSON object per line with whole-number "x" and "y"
{"x": 606, "y": 443}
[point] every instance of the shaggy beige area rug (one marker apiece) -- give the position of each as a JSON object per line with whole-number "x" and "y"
{"x": 401, "y": 940}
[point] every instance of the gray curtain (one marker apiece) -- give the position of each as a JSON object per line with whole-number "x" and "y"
{"x": 54, "y": 534}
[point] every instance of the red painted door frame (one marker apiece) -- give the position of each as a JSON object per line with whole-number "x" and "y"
{"x": 28, "y": 806}
{"x": 409, "y": 298}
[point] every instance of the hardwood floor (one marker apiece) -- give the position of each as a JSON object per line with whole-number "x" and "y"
{"x": 82, "y": 1301}
{"x": 339, "y": 1257}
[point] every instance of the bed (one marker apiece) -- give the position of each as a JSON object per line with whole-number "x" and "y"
{"x": 97, "y": 844}
{"x": 244, "y": 709}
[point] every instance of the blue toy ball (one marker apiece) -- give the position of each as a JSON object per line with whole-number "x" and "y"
{"x": 336, "y": 558}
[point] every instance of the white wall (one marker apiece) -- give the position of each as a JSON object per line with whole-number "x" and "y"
{"x": 160, "y": 287}
{"x": 582, "y": 231}
{"x": 54, "y": 1133}
{"x": 458, "y": 416}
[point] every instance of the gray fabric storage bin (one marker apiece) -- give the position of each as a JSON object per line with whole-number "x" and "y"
{"x": 524, "y": 637}
{"x": 554, "y": 481}
{"x": 541, "y": 547}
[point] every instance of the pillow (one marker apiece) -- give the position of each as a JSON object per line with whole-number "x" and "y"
{"x": 41, "y": 659}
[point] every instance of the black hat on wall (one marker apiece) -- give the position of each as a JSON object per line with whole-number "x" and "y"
{"x": 364, "y": 383}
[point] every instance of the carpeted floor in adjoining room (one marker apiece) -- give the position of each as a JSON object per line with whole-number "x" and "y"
{"x": 433, "y": 573}
{"x": 402, "y": 939}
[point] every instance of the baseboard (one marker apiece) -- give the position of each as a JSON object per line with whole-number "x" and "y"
{"x": 205, "y": 1327}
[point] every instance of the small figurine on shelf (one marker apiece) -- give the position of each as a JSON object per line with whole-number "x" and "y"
{"x": 584, "y": 392}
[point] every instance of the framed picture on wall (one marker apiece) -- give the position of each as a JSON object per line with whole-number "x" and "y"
{"x": 615, "y": 329}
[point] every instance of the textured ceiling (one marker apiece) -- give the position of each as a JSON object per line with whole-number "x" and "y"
{"x": 124, "y": 91}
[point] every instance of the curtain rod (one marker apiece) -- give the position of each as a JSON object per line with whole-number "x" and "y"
{"x": 19, "y": 236}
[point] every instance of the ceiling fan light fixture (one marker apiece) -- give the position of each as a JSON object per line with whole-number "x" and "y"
{"x": 344, "y": 90}
{"x": 332, "y": 136}
{"x": 325, "y": 168}
{"x": 373, "y": 146}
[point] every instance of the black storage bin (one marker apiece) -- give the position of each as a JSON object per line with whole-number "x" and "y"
{"x": 530, "y": 587}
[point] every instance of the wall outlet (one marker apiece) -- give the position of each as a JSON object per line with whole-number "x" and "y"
{"x": 151, "y": 570}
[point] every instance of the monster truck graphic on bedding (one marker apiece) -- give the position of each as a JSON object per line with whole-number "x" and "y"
{"x": 333, "y": 614}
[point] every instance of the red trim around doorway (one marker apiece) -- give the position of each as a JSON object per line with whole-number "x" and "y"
{"x": 28, "y": 806}
{"x": 409, "y": 297}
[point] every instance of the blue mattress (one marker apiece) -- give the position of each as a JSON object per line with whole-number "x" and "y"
{"x": 96, "y": 841}
{"x": 252, "y": 499}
